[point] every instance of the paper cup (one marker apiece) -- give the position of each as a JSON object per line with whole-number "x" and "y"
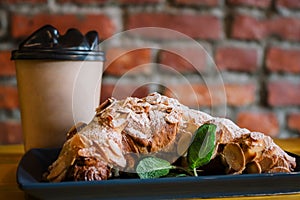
{"x": 57, "y": 87}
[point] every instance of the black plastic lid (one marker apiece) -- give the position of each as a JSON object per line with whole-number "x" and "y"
{"x": 47, "y": 44}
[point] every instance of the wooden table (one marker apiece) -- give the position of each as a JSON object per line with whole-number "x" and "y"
{"x": 11, "y": 155}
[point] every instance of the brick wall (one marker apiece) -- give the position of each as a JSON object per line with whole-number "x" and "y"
{"x": 255, "y": 45}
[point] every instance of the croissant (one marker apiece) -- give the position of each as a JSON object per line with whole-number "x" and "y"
{"x": 123, "y": 130}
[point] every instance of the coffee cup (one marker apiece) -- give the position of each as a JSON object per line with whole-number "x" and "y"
{"x": 59, "y": 80}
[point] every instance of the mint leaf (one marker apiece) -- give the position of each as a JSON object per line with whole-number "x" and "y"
{"x": 152, "y": 167}
{"x": 202, "y": 147}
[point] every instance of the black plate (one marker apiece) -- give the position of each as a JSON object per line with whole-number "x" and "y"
{"x": 35, "y": 162}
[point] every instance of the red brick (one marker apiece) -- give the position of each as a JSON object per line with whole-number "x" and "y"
{"x": 288, "y": 3}
{"x": 254, "y": 3}
{"x": 82, "y": 1}
{"x": 285, "y": 28}
{"x": 104, "y": 1}
{"x": 283, "y": 60}
{"x": 264, "y": 122}
{"x": 283, "y": 93}
{"x": 240, "y": 94}
{"x": 194, "y": 95}
{"x": 122, "y": 91}
{"x": 248, "y": 27}
{"x": 7, "y": 67}
{"x": 138, "y": 1}
{"x": 238, "y": 59}
{"x": 193, "y": 25}
{"x": 11, "y": 132}
{"x": 121, "y": 60}
{"x": 9, "y": 97}
{"x": 199, "y": 95}
{"x": 184, "y": 60}
{"x": 198, "y": 2}
{"x": 23, "y": 25}
{"x": 293, "y": 121}
{"x": 22, "y": 1}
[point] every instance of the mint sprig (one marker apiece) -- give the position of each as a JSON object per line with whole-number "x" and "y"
{"x": 202, "y": 147}
{"x": 153, "y": 167}
{"x": 199, "y": 153}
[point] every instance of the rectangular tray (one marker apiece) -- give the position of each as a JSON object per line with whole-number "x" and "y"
{"x": 36, "y": 161}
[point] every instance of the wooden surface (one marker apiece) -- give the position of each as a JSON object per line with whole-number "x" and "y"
{"x": 11, "y": 155}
